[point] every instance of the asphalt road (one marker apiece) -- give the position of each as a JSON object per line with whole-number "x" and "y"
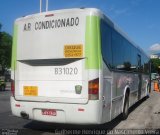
{"x": 143, "y": 115}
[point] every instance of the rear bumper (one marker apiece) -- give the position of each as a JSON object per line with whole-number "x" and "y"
{"x": 66, "y": 113}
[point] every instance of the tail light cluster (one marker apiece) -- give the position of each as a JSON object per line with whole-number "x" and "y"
{"x": 93, "y": 90}
{"x": 12, "y": 88}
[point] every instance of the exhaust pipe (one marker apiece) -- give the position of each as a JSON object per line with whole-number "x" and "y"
{"x": 24, "y": 115}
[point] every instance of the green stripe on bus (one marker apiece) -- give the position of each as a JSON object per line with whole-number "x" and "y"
{"x": 14, "y": 48}
{"x": 93, "y": 43}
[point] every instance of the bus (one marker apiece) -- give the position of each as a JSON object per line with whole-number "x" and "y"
{"x": 75, "y": 66}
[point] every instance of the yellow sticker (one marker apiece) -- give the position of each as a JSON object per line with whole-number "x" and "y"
{"x": 30, "y": 90}
{"x": 73, "y": 51}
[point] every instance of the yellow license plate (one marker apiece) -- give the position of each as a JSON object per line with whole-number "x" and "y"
{"x": 30, "y": 90}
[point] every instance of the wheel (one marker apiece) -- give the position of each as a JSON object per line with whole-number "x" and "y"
{"x": 125, "y": 108}
{"x": 148, "y": 92}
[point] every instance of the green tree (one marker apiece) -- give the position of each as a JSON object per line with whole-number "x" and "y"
{"x": 5, "y": 50}
{"x": 155, "y": 65}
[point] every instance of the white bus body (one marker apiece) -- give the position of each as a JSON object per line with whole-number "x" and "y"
{"x": 59, "y": 72}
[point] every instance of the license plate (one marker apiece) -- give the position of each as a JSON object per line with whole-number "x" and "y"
{"x": 50, "y": 112}
{"x": 30, "y": 90}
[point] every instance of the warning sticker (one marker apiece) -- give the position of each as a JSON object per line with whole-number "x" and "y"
{"x": 30, "y": 90}
{"x": 73, "y": 51}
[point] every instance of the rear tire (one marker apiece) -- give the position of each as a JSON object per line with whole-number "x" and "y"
{"x": 148, "y": 92}
{"x": 125, "y": 108}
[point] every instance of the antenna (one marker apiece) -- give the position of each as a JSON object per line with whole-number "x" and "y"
{"x": 40, "y": 6}
{"x": 46, "y": 5}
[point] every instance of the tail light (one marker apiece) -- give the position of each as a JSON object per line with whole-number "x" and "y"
{"x": 12, "y": 88}
{"x": 94, "y": 89}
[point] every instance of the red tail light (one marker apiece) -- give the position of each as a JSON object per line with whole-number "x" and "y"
{"x": 94, "y": 89}
{"x": 12, "y": 88}
{"x": 49, "y": 15}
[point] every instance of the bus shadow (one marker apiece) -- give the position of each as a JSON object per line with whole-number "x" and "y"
{"x": 132, "y": 108}
{"x": 72, "y": 128}
{"x": 77, "y": 129}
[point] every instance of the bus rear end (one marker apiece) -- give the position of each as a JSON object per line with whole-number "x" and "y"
{"x": 56, "y": 67}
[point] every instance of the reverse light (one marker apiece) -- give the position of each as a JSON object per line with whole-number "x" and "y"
{"x": 93, "y": 89}
{"x": 17, "y": 105}
{"x": 12, "y": 88}
{"x": 80, "y": 109}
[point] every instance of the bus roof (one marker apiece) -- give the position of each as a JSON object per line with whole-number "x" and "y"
{"x": 92, "y": 11}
